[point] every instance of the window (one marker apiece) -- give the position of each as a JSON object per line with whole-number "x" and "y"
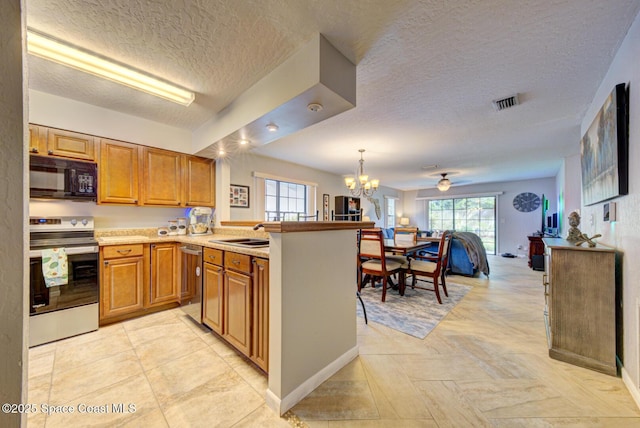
{"x": 389, "y": 212}
{"x": 477, "y": 215}
{"x": 284, "y": 200}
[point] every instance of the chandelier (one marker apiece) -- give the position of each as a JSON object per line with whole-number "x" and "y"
{"x": 444, "y": 183}
{"x": 360, "y": 184}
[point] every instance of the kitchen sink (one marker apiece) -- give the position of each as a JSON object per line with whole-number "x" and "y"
{"x": 243, "y": 242}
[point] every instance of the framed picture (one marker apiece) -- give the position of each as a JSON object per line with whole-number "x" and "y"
{"x": 325, "y": 207}
{"x": 239, "y": 196}
{"x": 604, "y": 150}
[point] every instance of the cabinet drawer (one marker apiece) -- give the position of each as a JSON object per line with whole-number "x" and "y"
{"x": 213, "y": 256}
{"x": 115, "y": 251}
{"x": 237, "y": 262}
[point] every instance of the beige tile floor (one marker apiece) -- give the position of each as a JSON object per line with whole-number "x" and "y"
{"x": 485, "y": 364}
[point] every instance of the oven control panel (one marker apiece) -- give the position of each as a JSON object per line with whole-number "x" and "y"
{"x": 60, "y": 223}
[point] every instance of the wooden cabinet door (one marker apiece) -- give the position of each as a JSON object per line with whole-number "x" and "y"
{"x": 118, "y": 173}
{"x": 212, "y": 297}
{"x": 260, "y": 314}
{"x": 162, "y": 177}
{"x": 199, "y": 182}
{"x": 71, "y": 144}
{"x": 37, "y": 139}
{"x": 164, "y": 286}
{"x": 237, "y": 313}
{"x": 122, "y": 286}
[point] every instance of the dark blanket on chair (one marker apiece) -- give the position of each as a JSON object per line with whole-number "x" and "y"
{"x": 475, "y": 250}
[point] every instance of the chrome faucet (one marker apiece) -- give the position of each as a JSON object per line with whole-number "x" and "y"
{"x": 258, "y": 226}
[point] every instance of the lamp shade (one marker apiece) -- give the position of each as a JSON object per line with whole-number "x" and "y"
{"x": 404, "y": 221}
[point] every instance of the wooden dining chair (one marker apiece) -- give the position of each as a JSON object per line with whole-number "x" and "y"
{"x": 308, "y": 217}
{"x": 372, "y": 260}
{"x": 433, "y": 270}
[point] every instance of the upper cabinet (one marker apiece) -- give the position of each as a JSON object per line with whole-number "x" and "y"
{"x": 162, "y": 177}
{"x": 118, "y": 182}
{"x": 57, "y": 142}
{"x": 131, "y": 174}
{"x": 199, "y": 181}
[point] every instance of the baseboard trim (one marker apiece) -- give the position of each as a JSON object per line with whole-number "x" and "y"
{"x": 282, "y": 405}
{"x": 633, "y": 389}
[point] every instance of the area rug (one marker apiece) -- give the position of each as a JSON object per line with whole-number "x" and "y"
{"x": 416, "y": 313}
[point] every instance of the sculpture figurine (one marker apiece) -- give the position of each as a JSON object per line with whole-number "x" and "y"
{"x": 574, "y": 233}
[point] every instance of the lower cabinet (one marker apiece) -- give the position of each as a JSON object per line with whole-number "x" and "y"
{"x": 260, "y": 313}
{"x": 164, "y": 286}
{"x": 212, "y": 289}
{"x": 124, "y": 275}
{"x": 236, "y": 301}
{"x": 136, "y": 278}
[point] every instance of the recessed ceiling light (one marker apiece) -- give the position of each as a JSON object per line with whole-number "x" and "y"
{"x": 244, "y": 142}
{"x": 272, "y": 127}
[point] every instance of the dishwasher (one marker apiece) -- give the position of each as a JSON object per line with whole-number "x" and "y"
{"x": 191, "y": 281}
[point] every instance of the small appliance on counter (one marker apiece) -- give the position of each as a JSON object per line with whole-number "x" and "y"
{"x": 200, "y": 220}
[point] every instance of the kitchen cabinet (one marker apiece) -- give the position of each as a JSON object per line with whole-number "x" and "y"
{"x": 164, "y": 286}
{"x": 61, "y": 143}
{"x": 37, "y": 139}
{"x": 200, "y": 182}
{"x": 124, "y": 274}
{"x": 213, "y": 289}
{"x": 260, "y": 313}
{"x": 237, "y": 301}
{"x": 580, "y": 285}
{"x": 161, "y": 177}
{"x": 118, "y": 181}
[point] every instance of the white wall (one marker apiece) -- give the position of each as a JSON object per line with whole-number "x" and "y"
{"x": 513, "y": 226}
{"x": 13, "y": 256}
{"x": 243, "y": 166}
{"x": 624, "y": 234}
{"x": 64, "y": 113}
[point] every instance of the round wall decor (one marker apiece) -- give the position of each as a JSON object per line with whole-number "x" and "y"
{"x": 526, "y": 202}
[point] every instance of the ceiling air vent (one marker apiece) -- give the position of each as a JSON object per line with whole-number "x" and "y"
{"x": 505, "y": 103}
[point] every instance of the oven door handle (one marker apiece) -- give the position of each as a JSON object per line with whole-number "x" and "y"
{"x": 70, "y": 251}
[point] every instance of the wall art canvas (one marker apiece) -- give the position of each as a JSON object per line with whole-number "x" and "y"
{"x": 604, "y": 151}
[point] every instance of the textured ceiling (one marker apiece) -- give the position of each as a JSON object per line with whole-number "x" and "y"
{"x": 427, "y": 72}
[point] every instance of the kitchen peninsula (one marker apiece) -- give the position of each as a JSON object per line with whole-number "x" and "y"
{"x": 312, "y": 317}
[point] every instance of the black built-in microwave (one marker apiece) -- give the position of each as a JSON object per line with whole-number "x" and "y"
{"x": 58, "y": 178}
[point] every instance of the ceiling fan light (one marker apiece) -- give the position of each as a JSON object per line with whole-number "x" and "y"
{"x": 444, "y": 184}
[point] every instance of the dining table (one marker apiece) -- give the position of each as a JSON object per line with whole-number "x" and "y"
{"x": 404, "y": 247}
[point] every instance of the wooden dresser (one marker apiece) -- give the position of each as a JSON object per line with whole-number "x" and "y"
{"x": 580, "y": 294}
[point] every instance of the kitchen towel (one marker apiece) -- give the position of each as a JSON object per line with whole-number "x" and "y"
{"x": 54, "y": 266}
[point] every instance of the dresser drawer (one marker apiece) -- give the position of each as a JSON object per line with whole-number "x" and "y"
{"x": 116, "y": 251}
{"x": 237, "y": 262}
{"x": 213, "y": 256}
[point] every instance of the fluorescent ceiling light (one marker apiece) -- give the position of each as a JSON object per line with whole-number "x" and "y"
{"x": 53, "y": 50}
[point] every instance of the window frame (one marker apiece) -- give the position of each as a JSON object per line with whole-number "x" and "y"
{"x": 490, "y": 240}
